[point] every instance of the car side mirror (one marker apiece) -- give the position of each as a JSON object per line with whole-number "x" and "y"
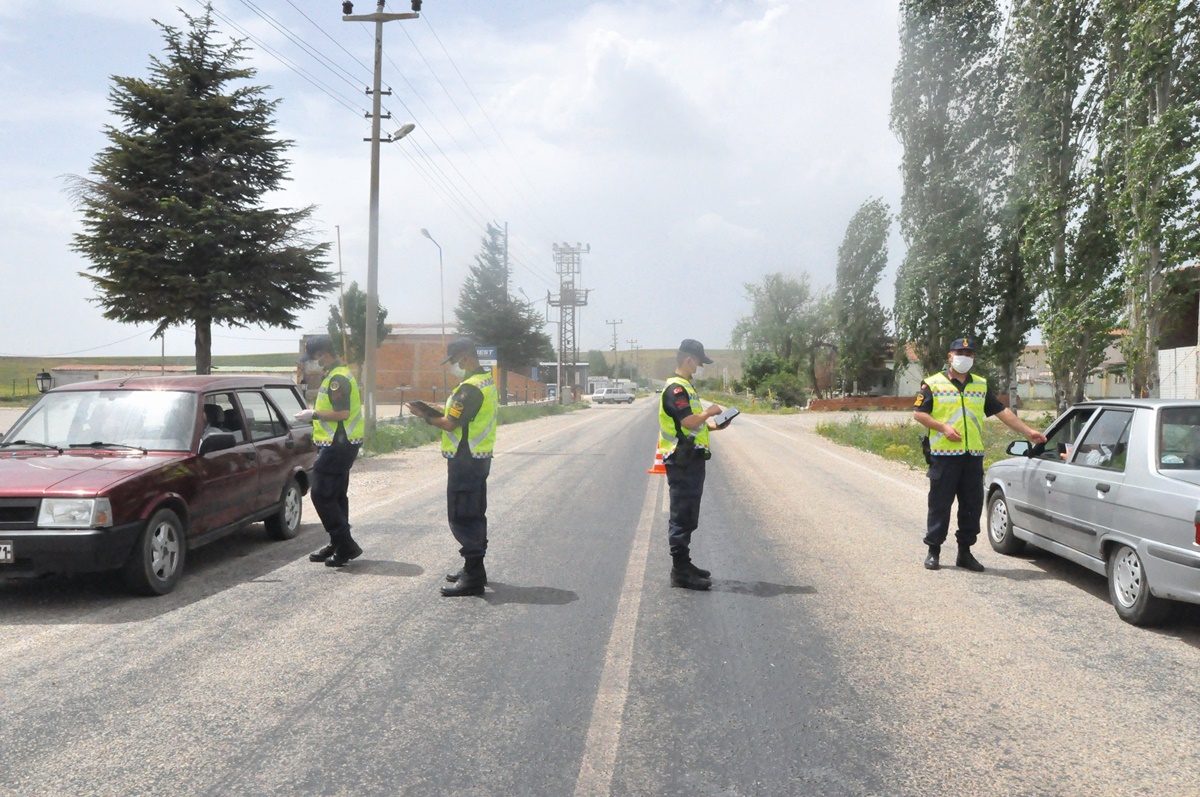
{"x": 217, "y": 441}
{"x": 1019, "y": 448}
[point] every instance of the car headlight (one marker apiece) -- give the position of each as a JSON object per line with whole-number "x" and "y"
{"x": 75, "y": 513}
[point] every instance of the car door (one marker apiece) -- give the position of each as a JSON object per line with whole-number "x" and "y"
{"x": 270, "y": 436}
{"x": 1090, "y": 484}
{"x": 229, "y": 478}
{"x": 1033, "y": 505}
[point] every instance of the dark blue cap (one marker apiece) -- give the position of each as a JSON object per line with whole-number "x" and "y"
{"x": 963, "y": 343}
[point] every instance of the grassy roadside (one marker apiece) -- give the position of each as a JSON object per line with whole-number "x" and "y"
{"x": 413, "y": 432}
{"x": 902, "y": 441}
{"x": 746, "y": 405}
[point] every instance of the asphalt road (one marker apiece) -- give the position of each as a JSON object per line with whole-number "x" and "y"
{"x": 826, "y": 660}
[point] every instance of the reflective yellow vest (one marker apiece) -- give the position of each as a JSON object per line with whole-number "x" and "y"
{"x": 963, "y": 411}
{"x": 481, "y": 431}
{"x": 324, "y": 431}
{"x": 666, "y": 431}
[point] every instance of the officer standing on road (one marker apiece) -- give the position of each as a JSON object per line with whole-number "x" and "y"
{"x": 952, "y": 405}
{"x": 683, "y": 443}
{"x": 468, "y": 438}
{"x": 337, "y": 420}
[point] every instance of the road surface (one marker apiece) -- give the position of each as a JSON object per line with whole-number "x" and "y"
{"x": 825, "y": 661}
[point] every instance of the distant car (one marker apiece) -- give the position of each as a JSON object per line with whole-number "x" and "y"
{"x": 130, "y": 474}
{"x": 1116, "y": 489}
{"x": 611, "y": 395}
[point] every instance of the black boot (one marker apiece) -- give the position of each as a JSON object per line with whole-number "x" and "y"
{"x": 322, "y": 554}
{"x": 344, "y": 554}
{"x": 455, "y": 576}
{"x": 700, "y": 571}
{"x": 967, "y": 560}
{"x": 684, "y": 575}
{"x": 471, "y": 580}
{"x": 931, "y": 561}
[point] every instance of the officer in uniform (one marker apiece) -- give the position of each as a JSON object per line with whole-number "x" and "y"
{"x": 683, "y": 443}
{"x": 468, "y": 438}
{"x": 337, "y": 420}
{"x": 952, "y": 405}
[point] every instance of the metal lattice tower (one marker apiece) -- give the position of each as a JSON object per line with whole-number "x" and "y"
{"x": 568, "y": 262}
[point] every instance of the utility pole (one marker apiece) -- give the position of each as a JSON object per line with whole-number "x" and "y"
{"x": 634, "y": 348}
{"x": 616, "y": 353}
{"x": 372, "y": 320}
{"x": 567, "y": 262}
{"x": 342, "y": 296}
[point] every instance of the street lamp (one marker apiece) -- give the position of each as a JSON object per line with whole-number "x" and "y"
{"x": 43, "y": 380}
{"x": 441, "y": 294}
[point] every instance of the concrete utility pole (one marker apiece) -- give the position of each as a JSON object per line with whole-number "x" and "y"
{"x": 613, "y": 324}
{"x": 372, "y": 320}
{"x": 634, "y": 348}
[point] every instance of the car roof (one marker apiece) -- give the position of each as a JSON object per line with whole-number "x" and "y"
{"x": 1144, "y": 403}
{"x": 189, "y": 384}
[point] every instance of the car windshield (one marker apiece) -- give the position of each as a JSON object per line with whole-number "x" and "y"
{"x": 151, "y": 419}
{"x": 1179, "y": 439}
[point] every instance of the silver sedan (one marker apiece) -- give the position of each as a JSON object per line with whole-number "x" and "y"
{"x": 1116, "y": 489}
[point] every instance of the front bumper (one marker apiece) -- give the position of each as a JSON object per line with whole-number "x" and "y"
{"x": 40, "y": 551}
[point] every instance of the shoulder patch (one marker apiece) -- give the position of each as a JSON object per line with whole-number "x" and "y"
{"x": 335, "y": 384}
{"x": 920, "y": 400}
{"x": 455, "y": 409}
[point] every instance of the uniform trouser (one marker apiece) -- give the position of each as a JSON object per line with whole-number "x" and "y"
{"x": 952, "y": 477}
{"x": 331, "y": 479}
{"x": 466, "y": 509}
{"x": 686, "y": 484}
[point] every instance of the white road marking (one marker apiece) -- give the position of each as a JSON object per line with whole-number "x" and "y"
{"x": 604, "y": 731}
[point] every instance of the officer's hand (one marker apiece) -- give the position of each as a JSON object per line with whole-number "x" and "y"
{"x": 304, "y": 416}
{"x": 952, "y": 434}
{"x": 713, "y": 410}
{"x": 1037, "y": 437}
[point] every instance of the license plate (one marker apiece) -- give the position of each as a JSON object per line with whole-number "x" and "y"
{"x": 6, "y": 552}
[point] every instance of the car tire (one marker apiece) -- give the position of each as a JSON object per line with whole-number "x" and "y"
{"x": 1129, "y": 590}
{"x": 630, "y": 400}
{"x": 156, "y": 561}
{"x": 999, "y": 526}
{"x": 285, "y": 524}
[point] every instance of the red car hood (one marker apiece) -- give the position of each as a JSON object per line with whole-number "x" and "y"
{"x": 34, "y": 474}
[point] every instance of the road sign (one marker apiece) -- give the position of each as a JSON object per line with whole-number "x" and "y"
{"x": 487, "y": 355}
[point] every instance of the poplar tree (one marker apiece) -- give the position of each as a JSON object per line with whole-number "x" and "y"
{"x": 943, "y": 95}
{"x": 860, "y": 321}
{"x": 356, "y": 327}
{"x": 491, "y": 317}
{"x": 174, "y": 222}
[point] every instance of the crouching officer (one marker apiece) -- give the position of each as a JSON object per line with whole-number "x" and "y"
{"x": 683, "y": 443}
{"x": 952, "y": 405}
{"x": 337, "y": 420}
{"x": 468, "y": 438}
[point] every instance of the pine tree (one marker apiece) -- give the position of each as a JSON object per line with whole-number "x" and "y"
{"x": 491, "y": 317}
{"x": 861, "y": 323}
{"x": 173, "y": 217}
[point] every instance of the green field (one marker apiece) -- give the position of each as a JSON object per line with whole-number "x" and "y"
{"x": 17, "y": 373}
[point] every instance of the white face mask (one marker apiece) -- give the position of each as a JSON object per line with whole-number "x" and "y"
{"x": 961, "y": 363}
{"x": 458, "y": 371}
{"x": 698, "y": 373}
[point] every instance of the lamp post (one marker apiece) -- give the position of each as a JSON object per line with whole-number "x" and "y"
{"x": 372, "y": 320}
{"x": 441, "y": 295}
{"x": 43, "y": 380}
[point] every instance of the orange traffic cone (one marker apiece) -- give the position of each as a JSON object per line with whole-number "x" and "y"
{"x": 658, "y": 466}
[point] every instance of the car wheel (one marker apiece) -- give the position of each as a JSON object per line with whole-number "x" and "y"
{"x": 1129, "y": 590}
{"x": 1000, "y": 530}
{"x": 156, "y": 561}
{"x": 285, "y": 523}
{"x": 630, "y": 400}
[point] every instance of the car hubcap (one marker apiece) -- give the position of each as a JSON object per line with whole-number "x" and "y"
{"x": 999, "y": 521}
{"x": 291, "y": 508}
{"x": 164, "y": 552}
{"x": 1128, "y": 577}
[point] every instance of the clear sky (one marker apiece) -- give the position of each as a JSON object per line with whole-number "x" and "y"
{"x": 695, "y": 144}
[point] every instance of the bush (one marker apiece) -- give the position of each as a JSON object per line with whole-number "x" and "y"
{"x": 786, "y": 387}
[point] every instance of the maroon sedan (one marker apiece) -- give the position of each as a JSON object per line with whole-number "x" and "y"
{"x": 130, "y": 474}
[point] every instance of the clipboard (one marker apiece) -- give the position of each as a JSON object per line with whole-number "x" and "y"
{"x": 425, "y": 410}
{"x": 728, "y": 415}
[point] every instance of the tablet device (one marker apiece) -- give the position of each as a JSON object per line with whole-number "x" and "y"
{"x": 424, "y": 410}
{"x": 728, "y": 415}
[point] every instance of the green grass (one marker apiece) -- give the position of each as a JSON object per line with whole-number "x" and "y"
{"x": 902, "y": 441}
{"x": 413, "y": 432}
{"x": 746, "y": 405}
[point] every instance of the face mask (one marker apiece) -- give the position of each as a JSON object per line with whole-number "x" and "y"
{"x": 458, "y": 371}
{"x": 961, "y": 363}
{"x": 699, "y": 372}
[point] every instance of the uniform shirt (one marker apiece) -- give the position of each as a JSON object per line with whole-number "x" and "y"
{"x": 991, "y": 404}
{"x": 466, "y": 472}
{"x": 676, "y": 402}
{"x": 339, "y": 400}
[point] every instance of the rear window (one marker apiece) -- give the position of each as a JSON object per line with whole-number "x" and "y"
{"x": 1179, "y": 439}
